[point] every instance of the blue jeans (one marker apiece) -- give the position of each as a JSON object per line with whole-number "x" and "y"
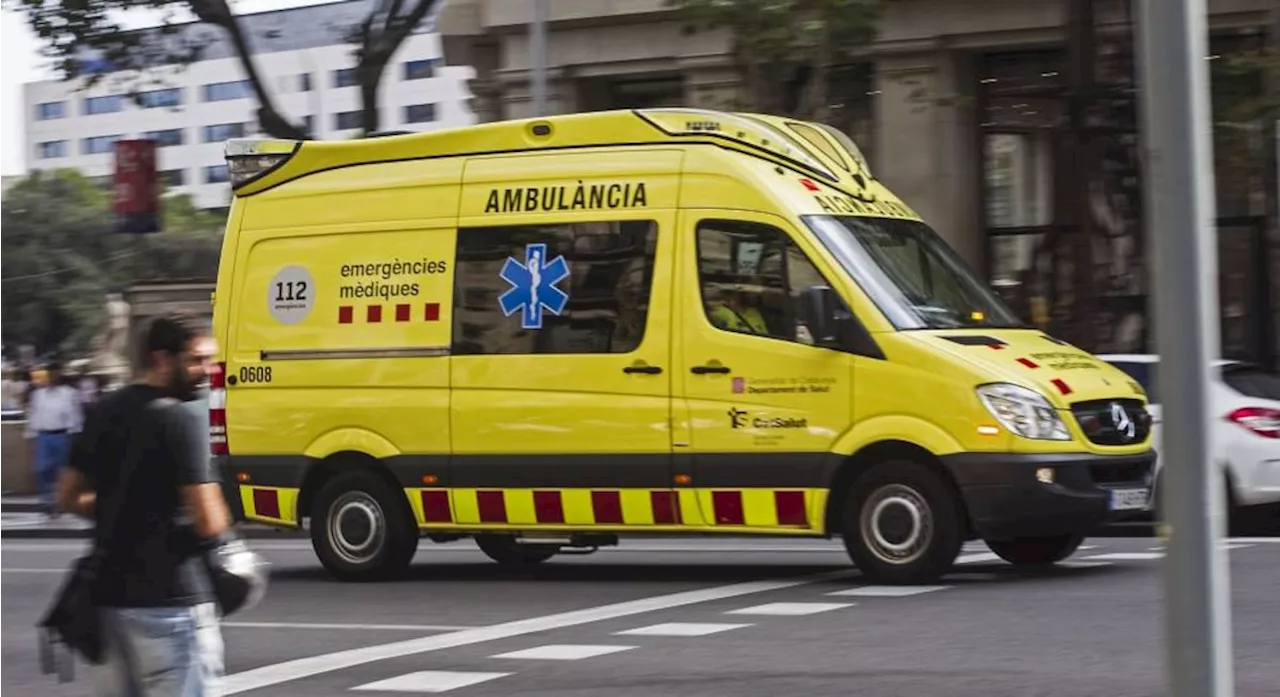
{"x": 161, "y": 652}
{"x": 52, "y": 452}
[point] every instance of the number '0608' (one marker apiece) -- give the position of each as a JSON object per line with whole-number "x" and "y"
{"x": 257, "y": 373}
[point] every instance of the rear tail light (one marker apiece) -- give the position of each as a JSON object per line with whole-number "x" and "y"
{"x": 218, "y": 409}
{"x": 1263, "y": 421}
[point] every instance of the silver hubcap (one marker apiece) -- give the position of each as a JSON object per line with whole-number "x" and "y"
{"x": 896, "y": 524}
{"x": 357, "y": 527}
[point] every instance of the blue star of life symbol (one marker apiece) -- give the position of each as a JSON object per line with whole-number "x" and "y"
{"x": 533, "y": 286}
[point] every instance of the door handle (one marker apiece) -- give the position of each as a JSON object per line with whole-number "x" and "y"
{"x": 706, "y": 369}
{"x": 645, "y": 369}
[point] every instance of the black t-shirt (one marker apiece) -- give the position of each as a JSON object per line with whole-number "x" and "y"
{"x": 151, "y": 551}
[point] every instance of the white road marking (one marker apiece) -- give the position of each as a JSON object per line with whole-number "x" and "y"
{"x": 35, "y": 571}
{"x": 1083, "y": 564}
{"x": 1126, "y": 556}
{"x": 430, "y": 681}
{"x": 564, "y": 652}
{"x": 372, "y": 627}
{"x": 681, "y": 629}
{"x": 1258, "y": 540}
{"x": 977, "y": 558}
{"x": 297, "y": 669}
{"x": 887, "y": 591}
{"x": 789, "y": 609}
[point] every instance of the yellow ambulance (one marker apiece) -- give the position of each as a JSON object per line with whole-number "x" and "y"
{"x": 548, "y": 334}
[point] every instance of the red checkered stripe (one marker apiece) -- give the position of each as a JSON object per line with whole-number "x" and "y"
{"x": 270, "y": 504}
{"x": 376, "y": 313}
{"x": 612, "y": 507}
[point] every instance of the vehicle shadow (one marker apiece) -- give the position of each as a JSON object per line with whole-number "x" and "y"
{"x": 841, "y": 575}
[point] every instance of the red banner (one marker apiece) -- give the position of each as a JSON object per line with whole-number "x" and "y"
{"x": 137, "y": 199}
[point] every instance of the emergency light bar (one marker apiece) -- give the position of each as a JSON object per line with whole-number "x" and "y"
{"x": 250, "y": 158}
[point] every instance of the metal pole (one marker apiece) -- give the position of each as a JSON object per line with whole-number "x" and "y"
{"x": 1180, "y": 235}
{"x": 538, "y": 57}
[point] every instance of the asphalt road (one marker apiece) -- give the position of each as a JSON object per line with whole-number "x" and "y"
{"x": 695, "y": 617}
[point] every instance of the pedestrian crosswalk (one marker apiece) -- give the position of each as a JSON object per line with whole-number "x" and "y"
{"x": 506, "y": 664}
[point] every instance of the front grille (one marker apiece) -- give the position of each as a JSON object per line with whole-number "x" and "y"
{"x": 1113, "y": 421}
{"x": 1119, "y": 472}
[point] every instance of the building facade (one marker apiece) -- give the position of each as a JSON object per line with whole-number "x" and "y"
{"x": 192, "y": 110}
{"x": 1012, "y": 127}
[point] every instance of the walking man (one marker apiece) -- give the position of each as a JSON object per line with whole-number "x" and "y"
{"x": 161, "y": 631}
{"x": 53, "y": 416}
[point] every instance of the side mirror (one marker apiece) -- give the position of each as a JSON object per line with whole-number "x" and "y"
{"x": 820, "y": 311}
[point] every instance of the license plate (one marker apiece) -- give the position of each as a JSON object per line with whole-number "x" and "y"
{"x": 1129, "y": 499}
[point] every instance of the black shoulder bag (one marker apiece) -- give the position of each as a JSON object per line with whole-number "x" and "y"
{"x": 74, "y": 620}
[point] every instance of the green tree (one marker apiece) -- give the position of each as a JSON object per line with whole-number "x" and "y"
{"x": 786, "y": 50}
{"x": 73, "y": 29}
{"x": 59, "y": 259}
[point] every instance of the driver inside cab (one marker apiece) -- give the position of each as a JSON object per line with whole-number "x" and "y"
{"x": 736, "y": 313}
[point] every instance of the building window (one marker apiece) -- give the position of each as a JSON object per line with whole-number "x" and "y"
{"x": 48, "y": 111}
{"x": 219, "y": 132}
{"x": 594, "y": 277}
{"x": 223, "y": 91}
{"x": 172, "y": 177}
{"x": 167, "y": 137}
{"x": 51, "y": 149}
{"x": 98, "y": 144}
{"x": 161, "y": 98}
{"x": 215, "y": 174}
{"x": 419, "y": 113}
{"x": 345, "y": 78}
{"x": 346, "y": 120}
{"x": 103, "y": 105}
{"x": 419, "y": 70}
{"x": 752, "y": 277}
{"x": 304, "y": 82}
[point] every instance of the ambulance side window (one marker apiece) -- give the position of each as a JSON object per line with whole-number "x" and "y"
{"x": 553, "y": 289}
{"x": 752, "y": 277}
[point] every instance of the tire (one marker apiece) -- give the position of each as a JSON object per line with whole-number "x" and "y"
{"x": 1036, "y": 551}
{"x": 506, "y": 551}
{"x": 362, "y": 528}
{"x": 902, "y": 524}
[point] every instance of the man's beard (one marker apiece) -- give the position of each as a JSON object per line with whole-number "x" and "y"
{"x": 182, "y": 386}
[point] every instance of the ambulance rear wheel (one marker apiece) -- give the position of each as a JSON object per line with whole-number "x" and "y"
{"x": 1036, "y": 551}
{"x": 362, "y": 528}
{"x": 506, "y": 551}
{"x": 902, "y": 524}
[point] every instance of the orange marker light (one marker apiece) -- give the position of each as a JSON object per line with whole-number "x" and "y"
{"x": 977, "y": 316}
{"x": 430, "y": 479}
{"x": 683, "y": 479}
{"x": 242, "y": 477}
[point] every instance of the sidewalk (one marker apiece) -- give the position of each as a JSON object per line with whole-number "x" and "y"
{"x": 20, "y": 518}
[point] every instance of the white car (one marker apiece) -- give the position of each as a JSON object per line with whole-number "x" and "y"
{"x": 1244, "y": 409}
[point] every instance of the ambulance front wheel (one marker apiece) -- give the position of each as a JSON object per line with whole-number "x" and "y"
{"x": 1036, "y": 551}
{"x": 902, "y": 523}
{"x": 362, "y": 528}
{"x": 505, "y": 550}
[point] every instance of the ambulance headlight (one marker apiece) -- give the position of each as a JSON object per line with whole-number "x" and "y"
{"x": 1023, "y": 411}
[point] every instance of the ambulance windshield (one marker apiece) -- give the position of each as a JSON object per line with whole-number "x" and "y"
{"x": 911, "y": 274}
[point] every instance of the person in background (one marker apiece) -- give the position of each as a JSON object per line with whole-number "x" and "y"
{"x": 160, "y": 624}
{"x": 53, "y": 417}
{"x": 14, "y": 390}
{"x": 87, "y": 384}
